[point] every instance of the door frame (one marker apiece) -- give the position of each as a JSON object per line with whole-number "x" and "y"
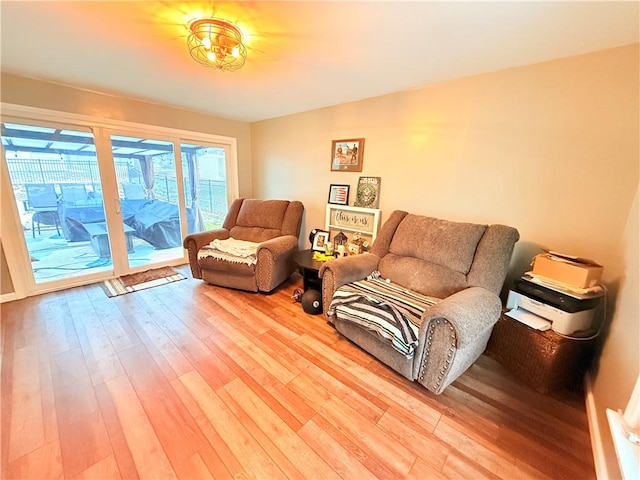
{"x": 112, "y": 203}
{"x": 11, "y": 236}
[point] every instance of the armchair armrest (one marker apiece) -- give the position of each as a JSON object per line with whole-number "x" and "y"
{"x": 275, "y": 261}
{"x": 194, "y": 242}
{"x": 276, "y": 247}
{"x": 341, "y": 271}
{"x": 470, "y": 311}
{"x": 453, "y": 334}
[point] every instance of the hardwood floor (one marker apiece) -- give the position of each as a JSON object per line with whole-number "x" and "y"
{"x": 192, "y": 381}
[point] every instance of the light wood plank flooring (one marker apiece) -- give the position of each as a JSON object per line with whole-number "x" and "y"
{"x": 193, "y": 381}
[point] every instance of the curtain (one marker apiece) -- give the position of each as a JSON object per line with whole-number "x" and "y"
{"x": 148, "y": 176}
{"x": 193, "y": 187}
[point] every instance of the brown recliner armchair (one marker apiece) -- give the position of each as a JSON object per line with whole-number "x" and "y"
{"x": 274, "y": 224}
{"x": 443, "y": 277}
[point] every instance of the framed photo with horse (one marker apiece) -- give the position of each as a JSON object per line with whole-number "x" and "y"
{"x": 347, "y": 155}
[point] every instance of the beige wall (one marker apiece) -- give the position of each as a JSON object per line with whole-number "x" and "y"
{"x": 34, "y": 93}
{"x": 551, "y": 149}
{"x": 619, "y": 364}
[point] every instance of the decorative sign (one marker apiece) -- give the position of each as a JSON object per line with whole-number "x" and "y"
{"x": 368, "y": 192}
{"x": 353, "y": 219}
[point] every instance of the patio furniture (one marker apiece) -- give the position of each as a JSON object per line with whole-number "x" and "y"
{"x": 155, "y": 221}
{"x": 43, "y": 201}
{"x": 74, "y": 193}
{"x": 133, "y": 191}
{"x": 100, "y": 238}
{"x": 96, "y": 192}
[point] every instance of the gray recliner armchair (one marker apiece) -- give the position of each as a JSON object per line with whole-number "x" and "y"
{"x": 437, "y": 282}
{"x": 273, "y": 224}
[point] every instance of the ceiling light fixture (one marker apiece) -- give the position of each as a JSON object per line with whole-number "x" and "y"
{"x": 216, "y": 44}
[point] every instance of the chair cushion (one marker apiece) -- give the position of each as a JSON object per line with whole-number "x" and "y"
{"x": 232, "y": 250}
{"x": 441, "y": 242}
{"x": 391, "y": 312}
{"x": 236, "y": 268}
{"x": 421, "y": 276}
{"x": 259, "y": 220}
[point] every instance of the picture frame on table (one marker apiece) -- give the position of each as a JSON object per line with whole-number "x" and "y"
{"x": 347, "y": 155}
{"x": 320, "y": 239}
{"x": 339, "y": 194}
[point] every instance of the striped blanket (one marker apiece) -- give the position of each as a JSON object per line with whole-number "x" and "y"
{"x": 390, "y": 310}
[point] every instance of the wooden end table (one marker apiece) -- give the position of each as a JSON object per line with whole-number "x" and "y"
{"x": 308, "y": 268}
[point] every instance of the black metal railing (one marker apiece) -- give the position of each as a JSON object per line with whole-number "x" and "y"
{"x": 212, "y": 194}
{"x": 24, "y": 171}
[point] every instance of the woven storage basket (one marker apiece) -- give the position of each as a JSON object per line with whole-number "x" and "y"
{"x": 545, "y": 360}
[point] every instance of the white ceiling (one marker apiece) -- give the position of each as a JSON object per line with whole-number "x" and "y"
{"x": 302, "y": 55}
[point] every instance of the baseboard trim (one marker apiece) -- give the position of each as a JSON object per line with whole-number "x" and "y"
{"x": 599, "y": 459}
{"x": 8, "y": 297}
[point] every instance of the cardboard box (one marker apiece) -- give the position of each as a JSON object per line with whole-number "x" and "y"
{"x": 574, "y": 271}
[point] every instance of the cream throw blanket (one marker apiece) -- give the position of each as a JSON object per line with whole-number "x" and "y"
{"x": 231, "y": 250}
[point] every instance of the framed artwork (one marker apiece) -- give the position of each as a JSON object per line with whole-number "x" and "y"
{"x": 346, "y": 155}
{"x": 339, "y": 194}
{"x": 368, "y": 192}
{"x": 320, "y": 239}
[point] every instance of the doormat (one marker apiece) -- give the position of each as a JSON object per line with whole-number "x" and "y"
{"x": 140, "y": 281}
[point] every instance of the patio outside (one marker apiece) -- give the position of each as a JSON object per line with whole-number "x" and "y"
{"x": 58, "y": 238}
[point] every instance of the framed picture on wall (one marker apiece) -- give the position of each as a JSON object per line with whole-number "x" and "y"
{"x": 346, "y": 155}
{"x": 339, "y": 194}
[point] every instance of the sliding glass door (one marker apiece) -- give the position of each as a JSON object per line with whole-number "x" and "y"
{"x": 93, "y": 202}
{"x": 56, "y": 183}
{"x": 147, "y": 183}
{"x": 205, "y": 173}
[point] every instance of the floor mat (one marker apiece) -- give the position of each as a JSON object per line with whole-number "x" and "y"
{"x": 140, "y": 281}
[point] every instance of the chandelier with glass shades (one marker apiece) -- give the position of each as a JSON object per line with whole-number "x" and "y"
{"x": 215, "y": 43}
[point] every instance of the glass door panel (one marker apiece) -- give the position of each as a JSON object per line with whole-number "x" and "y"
{"x": 148, "y": 191}
{"x": 56, "y": 183}
{"x": 205, "y": 186}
